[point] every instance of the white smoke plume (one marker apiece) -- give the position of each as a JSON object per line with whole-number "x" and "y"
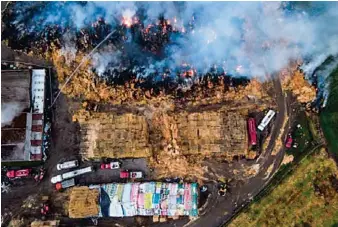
{"x": 9, "y": 111}
{"x": 262, "y": 37}
{"x": 103, "y": 58}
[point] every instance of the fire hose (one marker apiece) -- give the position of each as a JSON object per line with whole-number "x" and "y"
{"x": 81, "y": 63}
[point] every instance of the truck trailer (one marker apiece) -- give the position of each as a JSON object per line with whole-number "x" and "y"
{"x": 252, "y": 131}
{"x": 71, "y": 174}
{"x": 65, "y": 184}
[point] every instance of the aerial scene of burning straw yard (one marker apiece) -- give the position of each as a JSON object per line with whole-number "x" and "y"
{"x": 198, "y": 114}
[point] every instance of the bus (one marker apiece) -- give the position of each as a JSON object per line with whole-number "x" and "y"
{"x": 266, "y": 120}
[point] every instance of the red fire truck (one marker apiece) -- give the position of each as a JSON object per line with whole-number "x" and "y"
{"x": 252, "y": 131}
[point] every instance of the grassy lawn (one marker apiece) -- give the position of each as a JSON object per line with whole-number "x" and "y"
{"x": 329, "y": 116}
{"x": 307, "y": 196}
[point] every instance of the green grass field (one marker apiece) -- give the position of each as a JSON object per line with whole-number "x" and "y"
{"x": 307, "y": 197}
{"x": 329, "y": 116}
{"x": 302, "y": 136}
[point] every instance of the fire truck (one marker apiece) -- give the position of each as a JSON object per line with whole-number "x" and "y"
{"x": 252, "y": 131}
{"x": 71, "y": 174}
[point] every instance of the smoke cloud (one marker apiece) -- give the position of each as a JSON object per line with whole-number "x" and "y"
{"x": 9, "y": 111}
{"x": 260, "y": 36}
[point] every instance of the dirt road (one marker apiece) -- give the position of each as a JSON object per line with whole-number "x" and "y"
{"x": 241, "y": 193}
{"x": 217, "y": 210}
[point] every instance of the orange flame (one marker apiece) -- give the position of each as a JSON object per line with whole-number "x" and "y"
{"x": 128, "y": 22}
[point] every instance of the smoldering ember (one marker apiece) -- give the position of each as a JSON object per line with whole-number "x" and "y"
{"x": 163, "y": 113}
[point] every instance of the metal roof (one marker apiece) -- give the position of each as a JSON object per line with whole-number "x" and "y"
{"x": 38, "y": 89}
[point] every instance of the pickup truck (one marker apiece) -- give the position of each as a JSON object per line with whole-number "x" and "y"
{"x": 65, "y": 184}
{"x": 71, "y": 174}
{"x": 131, "y": 175}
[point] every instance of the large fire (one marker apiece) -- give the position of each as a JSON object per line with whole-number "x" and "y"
{"x": 128, "y": 18}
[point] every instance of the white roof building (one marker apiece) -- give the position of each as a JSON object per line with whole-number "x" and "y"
{"x": 38, "y": 89}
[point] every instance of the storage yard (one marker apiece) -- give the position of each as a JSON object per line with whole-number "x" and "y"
{"x": 132, "y": 199}
{"x": 118, "y": 148}
{"x": 130, "y": 135}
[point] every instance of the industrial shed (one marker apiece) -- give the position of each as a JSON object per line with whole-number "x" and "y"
{"x": 22, "y": 121}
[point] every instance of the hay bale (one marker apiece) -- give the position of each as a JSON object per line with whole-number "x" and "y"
{"x": 38, "y": 223}
{"x": 84, "y": 202}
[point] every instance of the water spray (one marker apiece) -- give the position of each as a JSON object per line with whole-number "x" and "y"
{"x": 84, "y": 59}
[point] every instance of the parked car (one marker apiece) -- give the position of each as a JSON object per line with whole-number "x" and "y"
{"x": 131, "y": 175}
{"x": 67, "y": 165}
{"x": 18, "y": 173}
{"x": 111, "y": 165}
{"x": 289, "y": 141}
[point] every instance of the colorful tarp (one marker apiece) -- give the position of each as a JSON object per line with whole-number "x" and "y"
{"x": 147, "y": 199}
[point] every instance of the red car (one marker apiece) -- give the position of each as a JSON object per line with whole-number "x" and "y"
{"x": 111, "y": 165}
{"x": 132, "y": 175}
{"x": 18, "y": 173}
{"x": 289, "y": 141}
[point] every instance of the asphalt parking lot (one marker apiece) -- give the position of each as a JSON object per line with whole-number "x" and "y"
{"x": 101, "y": 176}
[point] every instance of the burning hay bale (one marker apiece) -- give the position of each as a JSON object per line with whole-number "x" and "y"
{"x": 84, "y": 202}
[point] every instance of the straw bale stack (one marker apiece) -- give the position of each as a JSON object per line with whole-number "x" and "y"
{"x": 84, "y": 202}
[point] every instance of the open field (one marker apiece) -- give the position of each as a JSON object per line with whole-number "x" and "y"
{"x": 329, "y": 117}
{"x": 309, "y": 195}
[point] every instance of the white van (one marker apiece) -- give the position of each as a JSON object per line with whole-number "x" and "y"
{"x": 67, "y": 165}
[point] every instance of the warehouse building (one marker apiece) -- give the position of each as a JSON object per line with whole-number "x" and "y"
{"x": 22, "y": 121}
